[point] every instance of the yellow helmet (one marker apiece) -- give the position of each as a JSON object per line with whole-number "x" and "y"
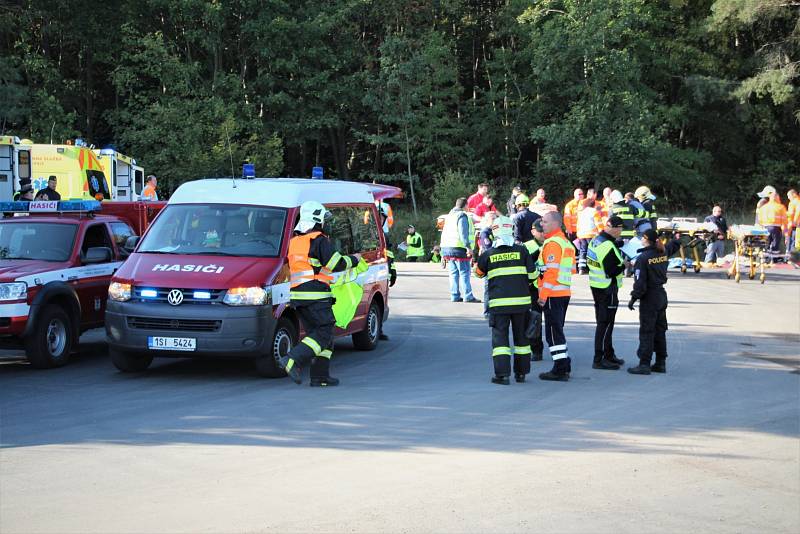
{"x": 643, "y": 193}
{"x": 522, "y": 200}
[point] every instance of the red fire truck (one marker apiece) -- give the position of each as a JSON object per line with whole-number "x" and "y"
{"x": 56, "y": 262}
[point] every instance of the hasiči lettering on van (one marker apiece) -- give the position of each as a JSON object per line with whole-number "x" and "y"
{"x": 166, "y": 267}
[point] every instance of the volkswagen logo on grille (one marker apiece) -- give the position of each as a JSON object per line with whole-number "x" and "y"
{"x": 175, "y": 297}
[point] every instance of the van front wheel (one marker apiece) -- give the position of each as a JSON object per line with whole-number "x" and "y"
{"x": 128, "y": 362}
{"x": 367, "y": 339}
{"x": 283, "y": 340}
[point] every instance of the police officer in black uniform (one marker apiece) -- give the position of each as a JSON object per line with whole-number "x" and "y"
{"x": 509, "y": 270}
{"x": 650, "y": 273}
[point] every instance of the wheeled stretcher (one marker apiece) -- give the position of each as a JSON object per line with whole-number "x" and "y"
{"x": 750, "y": 251}
{"x": 692, "y": 233}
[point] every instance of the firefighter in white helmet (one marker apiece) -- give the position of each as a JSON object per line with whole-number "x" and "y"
{"x": 312, "y": 262}
{"x": 509, "y": 270}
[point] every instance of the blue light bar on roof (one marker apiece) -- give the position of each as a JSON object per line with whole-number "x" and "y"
{"x": 64, "y": 206}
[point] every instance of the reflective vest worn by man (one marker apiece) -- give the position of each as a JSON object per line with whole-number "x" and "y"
{"x": 312, "y": 262}
{"x": 606, "y": 270}
{"x": 415, "y": 249}
{"x": 556, "y": 261}
{"x": 457, "y": 242}
{"x": 509, "y": 270}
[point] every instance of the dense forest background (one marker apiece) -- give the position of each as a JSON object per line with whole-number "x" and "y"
{"x": 696, "y": 98}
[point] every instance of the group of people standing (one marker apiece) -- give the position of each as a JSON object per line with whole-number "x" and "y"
{"x": 779, "y": 220}
{"x": 528, "y": 260}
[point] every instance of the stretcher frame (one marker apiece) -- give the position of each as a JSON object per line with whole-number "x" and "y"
{"x": 694, "y": 232}
{"x": 750, "y": 251}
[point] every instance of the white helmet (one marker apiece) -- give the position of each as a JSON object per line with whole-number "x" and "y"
{"x": 502, "y": 226}
{"x": 767, "y": 191}
{"x": 503, "y": 231}
{"x": 616, "y": 197}
{"x": 311, "y": 214}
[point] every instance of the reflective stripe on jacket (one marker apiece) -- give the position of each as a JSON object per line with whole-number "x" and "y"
{"x": 599, "y": 248}
{"x": 303, "y": 268}
{"x": 557, "y": 261}
{"x": 624, "y": 212}
{"x": 415, "y": 247}
{"x": 773, "y": 213}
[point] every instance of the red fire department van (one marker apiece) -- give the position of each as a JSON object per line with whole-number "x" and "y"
{"x": 210, "y": 276}
{"x": 56, "y": 261}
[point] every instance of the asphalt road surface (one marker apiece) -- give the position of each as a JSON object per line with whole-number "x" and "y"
{"x": 417, "y": 439}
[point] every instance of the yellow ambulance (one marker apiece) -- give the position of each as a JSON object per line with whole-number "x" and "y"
{"x": 78, "y": 171}
{"x": 15, "y": 164}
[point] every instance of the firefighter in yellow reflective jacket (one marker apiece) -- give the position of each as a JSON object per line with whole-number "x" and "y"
{"x": 509, "y": 271}
{"x": 312, "y": 262}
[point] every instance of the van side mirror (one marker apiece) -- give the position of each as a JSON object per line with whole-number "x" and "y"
{"x": 131, "y": 243}
{"x": 97, "y": 255}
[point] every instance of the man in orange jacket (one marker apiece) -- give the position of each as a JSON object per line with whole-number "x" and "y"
{"x": 556, "y": 262}
{"x": 772, "y": 216}
{"x": 571, "y": 214}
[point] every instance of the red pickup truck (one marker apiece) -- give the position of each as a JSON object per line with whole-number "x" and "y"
{"x": 56, "y": 261}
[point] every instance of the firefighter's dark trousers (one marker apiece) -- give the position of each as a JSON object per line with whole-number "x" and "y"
{"x": 606, "y": 302}
{"x": 502, "y": 350}
{"x": 535, "y": 325}
{"x": 317, "y": 346}
{"x": 555, "y": 313}
{"x": 653, "y": 326}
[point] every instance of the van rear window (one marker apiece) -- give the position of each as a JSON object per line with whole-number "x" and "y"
{"x": 216, "y": 229}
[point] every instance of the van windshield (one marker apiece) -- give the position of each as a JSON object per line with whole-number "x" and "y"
{"x": 216, "y": 229}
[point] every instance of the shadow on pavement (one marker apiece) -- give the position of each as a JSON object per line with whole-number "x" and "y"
{"x": 433, "y": 394}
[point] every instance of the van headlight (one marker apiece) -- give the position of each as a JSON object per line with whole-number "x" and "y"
{"x": 119, "y": 291}
{"x": 245, "y": 296}
{"x": 14, "y": 291}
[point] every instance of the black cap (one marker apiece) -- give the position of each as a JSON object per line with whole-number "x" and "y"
{"x": 616, "y": 221}
{"x": 651, "y": 235}
{"x": 25, "y": 188}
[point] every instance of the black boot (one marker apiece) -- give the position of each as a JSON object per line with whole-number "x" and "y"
{"x": 292, "y": 369}
{"x": 559, "y": 372}
{"x": 603, "y": 363}
{"x": 383, "y": 337}
{"x": 660, "y": 366}
{"x": 613, "y": 359}
{"x": 642, "y": 369}
{"x": 502, "y": 380}
{"x": 321, "y": 373}
{"x": 519, "y": 377}
{"x": 327, "y": 381}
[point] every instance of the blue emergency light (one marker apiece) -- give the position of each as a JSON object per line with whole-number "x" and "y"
{"x": 148, "y": 293}
{"x": 248, "y": 170}
{"x": 62, "y": 206}
{"x": 316, "y": 173}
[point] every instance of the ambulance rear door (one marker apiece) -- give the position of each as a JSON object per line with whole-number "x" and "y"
{"x": 7, "y": 186}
